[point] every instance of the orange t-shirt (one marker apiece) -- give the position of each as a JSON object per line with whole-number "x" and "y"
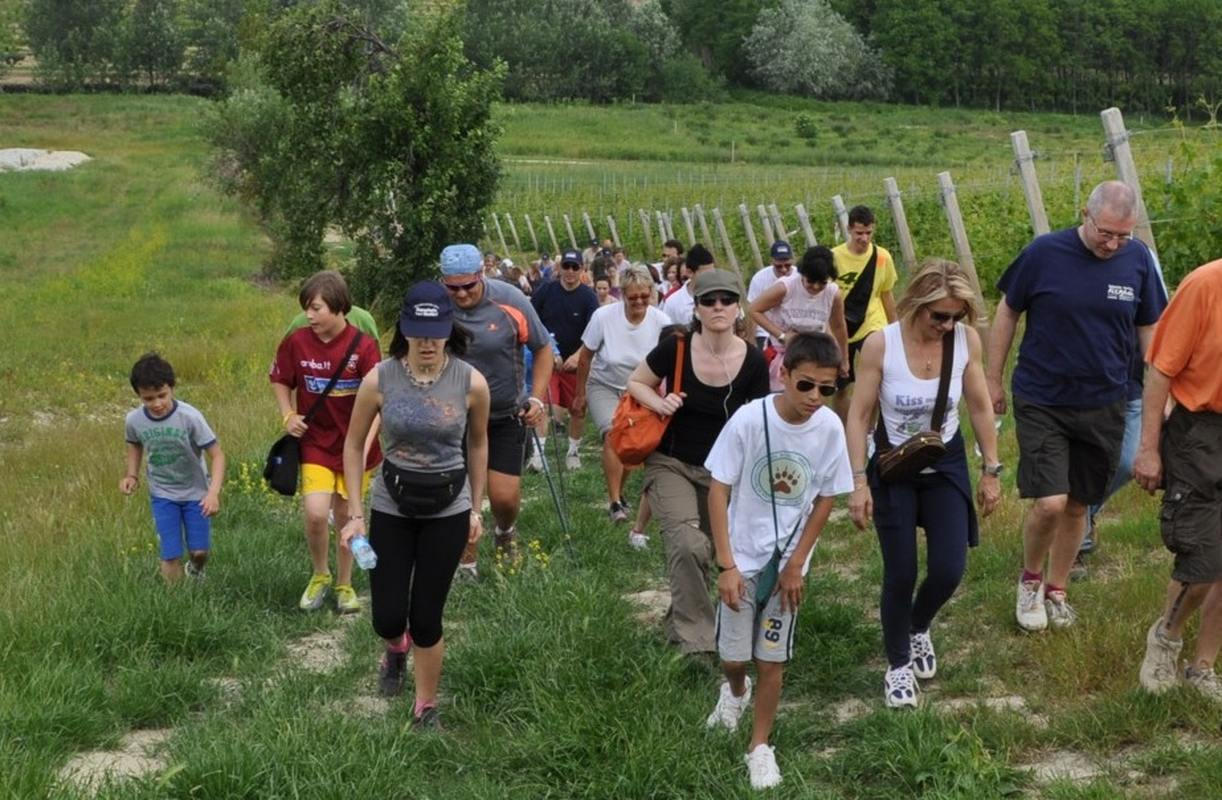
{"x": 1187, "y": 345}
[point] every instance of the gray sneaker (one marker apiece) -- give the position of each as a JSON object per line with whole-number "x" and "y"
{"x": 1060, "y": 613}
{"x": 1205, "y": 682}
{"x": 1029, "y": 607}
{"x": 1160, "y": 667}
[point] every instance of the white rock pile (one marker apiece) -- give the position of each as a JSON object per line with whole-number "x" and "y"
{"x": 26, "y": 159}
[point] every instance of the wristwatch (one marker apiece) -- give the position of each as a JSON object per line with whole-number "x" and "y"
{"x": 992, "y": 469}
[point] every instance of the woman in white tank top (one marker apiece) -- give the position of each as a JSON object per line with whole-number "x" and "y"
{"x": 899, "y": 372}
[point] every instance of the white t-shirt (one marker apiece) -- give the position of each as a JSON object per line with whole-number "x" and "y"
{"x": 680, "y": 306}
{"x": 907, "y": 401}
{"x": 808, "y": 461}
{"x": 761, "y": 282}
{"x": 805, "y": 312}
{"x": 618, "y": 345}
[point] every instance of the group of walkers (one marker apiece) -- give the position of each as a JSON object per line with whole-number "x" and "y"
{"x": 846, "y": 392}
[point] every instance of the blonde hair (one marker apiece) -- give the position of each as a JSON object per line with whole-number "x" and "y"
{"x": 937, "y": 279}
{"x": 637, "y": 275}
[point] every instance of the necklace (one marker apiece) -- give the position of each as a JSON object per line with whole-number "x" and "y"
{"x": 427, "y": 380}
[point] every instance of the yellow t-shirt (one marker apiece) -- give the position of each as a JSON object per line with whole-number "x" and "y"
{"x": 849, "y": 266}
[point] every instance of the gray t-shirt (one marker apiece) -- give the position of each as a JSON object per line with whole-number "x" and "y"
{"x": 174, "y": 447}
{"x": 503, "y": 321}
{"x": 423, "y": 428}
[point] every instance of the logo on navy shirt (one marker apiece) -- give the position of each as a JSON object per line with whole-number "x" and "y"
{"x": 1122, "y": 293}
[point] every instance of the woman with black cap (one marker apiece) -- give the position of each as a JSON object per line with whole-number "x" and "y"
{"x": 425, "y": 502}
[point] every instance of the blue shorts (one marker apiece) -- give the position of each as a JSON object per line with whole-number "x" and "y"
{"x": 173, "y": 518}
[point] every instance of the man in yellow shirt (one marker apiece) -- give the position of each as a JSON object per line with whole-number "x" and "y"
{"x": 866, "y": 277}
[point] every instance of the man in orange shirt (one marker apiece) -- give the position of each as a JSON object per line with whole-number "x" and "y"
{"x": 1183, "y": 455}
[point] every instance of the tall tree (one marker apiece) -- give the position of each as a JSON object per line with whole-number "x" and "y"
{"x": 75, "y": 41}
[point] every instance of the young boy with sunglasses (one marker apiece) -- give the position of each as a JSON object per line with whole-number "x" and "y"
{"x": 775, "y": 467}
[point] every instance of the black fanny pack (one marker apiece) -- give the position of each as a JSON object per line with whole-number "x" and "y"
{"x": 420, "y": 494}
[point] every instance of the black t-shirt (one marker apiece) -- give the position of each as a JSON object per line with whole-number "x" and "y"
{"x": 695, "y": 426}
{"x": 565, "y": 313}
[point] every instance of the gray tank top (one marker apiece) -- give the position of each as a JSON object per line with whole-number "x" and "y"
{"x": 423, "y": 427}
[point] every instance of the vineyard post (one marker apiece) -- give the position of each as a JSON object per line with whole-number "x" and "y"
{"x": 1025, "y": 160}
{"x": 751, "y": 240}
{"x": 687, "y": 223}
{"x": 513, "y": 231}
{"x": 842, "y": 216}
{"x": 530, "y": 228}
{"x": 1077, "y": 182}
{"x": 766, "y": 224}
{"x": 662, "y": 226}
{"x": 804, "y": 221}
{"x": 725, "y": 240}
{"x": 907, "y": 249}
{"x": 963, "y": 249}
{"x": 568, "y": 226}
{"x": 778, "y": 222}
{"x": 704, "y": 229}
{"x": 585, "y": 215}
{"x": 648, "y": 233}
{"x": 1126, "y": 170}
{"x": 614, "y": 231}
{"x": 487, "y": 236}
{"x": 500, "y": 235}
{"x": 551, "y": 233}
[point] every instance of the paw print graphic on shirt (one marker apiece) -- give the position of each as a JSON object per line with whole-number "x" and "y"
{"x": 784, "y": 480}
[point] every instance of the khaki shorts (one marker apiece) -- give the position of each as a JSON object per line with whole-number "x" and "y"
{"x": 742, "y": 636}
{"x": 601, "y": 401}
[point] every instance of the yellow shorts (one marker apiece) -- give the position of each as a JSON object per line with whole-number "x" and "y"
{"x": 316, "y": 478}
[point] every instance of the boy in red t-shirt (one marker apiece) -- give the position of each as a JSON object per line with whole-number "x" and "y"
{"x": 305, "y": 361}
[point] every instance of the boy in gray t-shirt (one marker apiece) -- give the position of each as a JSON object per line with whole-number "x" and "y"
{"x": 175, "y": 435}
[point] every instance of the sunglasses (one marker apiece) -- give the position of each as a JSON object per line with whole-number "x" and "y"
{"x": 710, "y": 300}
{"x": 462, "y": 287}
{"x": 825, "y": 389}
{"x": 941, "y": 317}
{"x": 571, "y": 265}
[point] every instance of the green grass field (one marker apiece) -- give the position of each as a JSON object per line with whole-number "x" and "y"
{"x": 554, "y": 687}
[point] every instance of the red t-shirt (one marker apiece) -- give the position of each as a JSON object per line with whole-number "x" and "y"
{"x": 305, "y": 363}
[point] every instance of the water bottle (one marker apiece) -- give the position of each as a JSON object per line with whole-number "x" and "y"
{"x": 362, "y": 551}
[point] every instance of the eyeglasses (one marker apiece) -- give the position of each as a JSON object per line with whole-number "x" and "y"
{"x": 1108, "y": 236}
{"x": 825, "y": 389}
{"x": 710, "y": 300}
{"x": 571, "y": 266}
{"x": 462, "y": 287}
{"x": 941, "y": 317}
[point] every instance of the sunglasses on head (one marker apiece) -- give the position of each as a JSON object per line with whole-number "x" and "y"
{"x": 710, "y": 300}
{"x": 941, "y": 317}
{"x": 462, "y": 287}
{"x": 825, "y": 389}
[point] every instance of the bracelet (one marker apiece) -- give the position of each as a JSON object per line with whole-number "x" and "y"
{"x": 731, "y": 568}
{"x": 859, "y": 473}
{"x": 533, "y": 399}
{"x": 285, "y": 419}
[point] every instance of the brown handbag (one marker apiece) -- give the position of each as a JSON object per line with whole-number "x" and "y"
{"x": 636, "y": 431}
{"x": 923, "y": 450}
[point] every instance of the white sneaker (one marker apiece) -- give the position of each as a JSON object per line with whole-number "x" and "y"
{"x": 637, "y": 540}
{"x": 1160, "y": 667}
{"x": 535, "y": 463}
{"x": 920, "y": 650}
{"x": 1205, "y": 682}
{"x": 468, "y": 572}
{"x": 900, "y": 687}
{"x": 1029, "y": 610}
{"x": 729, "y": 709}
{"x": 761, "y": 764}
{"x": 572, "y": 460}
{"x": 1060, "y": 612}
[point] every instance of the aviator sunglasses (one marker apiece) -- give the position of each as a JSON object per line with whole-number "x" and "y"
{"x": 941, "y": 317}
{"x": 825, "y": 389}
{"x": 710, "y": 300}
{"x": 461, "y": 287}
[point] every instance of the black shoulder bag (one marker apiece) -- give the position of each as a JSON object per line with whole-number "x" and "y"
{"x": 858, "y": 299}
{"x": 896, "y": 464}
{"x": 284, "y": 459}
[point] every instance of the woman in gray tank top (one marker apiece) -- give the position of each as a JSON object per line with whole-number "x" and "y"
{"x": 425, "y": 502}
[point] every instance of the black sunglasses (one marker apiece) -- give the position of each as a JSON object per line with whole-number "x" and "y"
{"x": 462, "y": 287}
{"x": 825, "y": 389}
{"x": 941, "y": 317}
{"x": 570, "y": 265}
{"x": 709, "y": 300}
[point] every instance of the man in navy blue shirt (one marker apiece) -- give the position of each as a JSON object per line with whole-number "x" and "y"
{"x": 565, "y": 306}
{"x": 1091, "y": 295}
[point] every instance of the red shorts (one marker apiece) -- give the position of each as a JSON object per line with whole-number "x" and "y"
{"x": 562, "y": 388}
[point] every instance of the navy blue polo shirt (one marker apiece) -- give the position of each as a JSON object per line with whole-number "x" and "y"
{"x": 565, "y": 313}
{"x": 1082, "y": 315}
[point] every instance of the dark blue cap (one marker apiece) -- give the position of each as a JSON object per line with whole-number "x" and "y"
{"x": 781, "y": 249}
{"x": 572, "y": 257}
{"x": 427, "y": 313}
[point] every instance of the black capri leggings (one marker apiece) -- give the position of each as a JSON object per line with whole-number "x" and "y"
{"x": 416, "y": 563}
{"x": 935, "y": 504}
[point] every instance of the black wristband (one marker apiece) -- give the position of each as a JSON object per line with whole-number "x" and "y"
{"x": 721, "y": 569}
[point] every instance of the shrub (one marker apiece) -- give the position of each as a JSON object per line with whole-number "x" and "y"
{"x": 804, "y": 125}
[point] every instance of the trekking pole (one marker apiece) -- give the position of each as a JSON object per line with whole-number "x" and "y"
{"x": 553, "y": 426}
{"x": 561, "y": 512}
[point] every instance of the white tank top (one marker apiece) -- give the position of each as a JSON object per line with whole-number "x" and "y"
{"x": 803, "y": 311}
{"x": 907, "y": 401}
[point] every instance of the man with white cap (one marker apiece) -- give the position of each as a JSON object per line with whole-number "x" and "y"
{"x": 501, "y": 320}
